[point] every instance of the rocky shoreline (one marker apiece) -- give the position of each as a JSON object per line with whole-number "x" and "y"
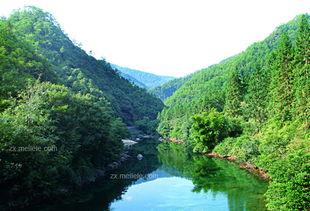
{"x": 173, "y": 140}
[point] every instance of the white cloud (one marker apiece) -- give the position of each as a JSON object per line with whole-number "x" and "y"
{"x": 167, "y": 37}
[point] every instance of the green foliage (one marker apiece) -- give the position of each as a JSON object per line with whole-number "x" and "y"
{"x": 19, "y": 63}
{"x": 82, "y": 72}
{"x": 233, "y": 95}
{"x": 281, "y": 91}
{"x": 119, "y": 129}
{"x": 208, "y": 129}
{"x": 79, "y": 122}
{"x": 285, "y": 154}
{"x": 147, "y": 126}
{"x": 266, "y": 90}
{"x": 54, "y": 137}
{"x": 291, "y": 182}
{"x": 195, "y": 96}
{"x": 244, "y": 148}
{"x": 255, "y": 101}
{"x": 301, "y": 80}
{"x": 167, "y": 89}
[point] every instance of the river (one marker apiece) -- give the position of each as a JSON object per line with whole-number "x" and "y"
{"x": 170, "y": 178}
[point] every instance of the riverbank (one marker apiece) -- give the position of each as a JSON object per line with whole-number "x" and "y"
{"x": 174, "y": 140}
{"x": 242, "y": 164}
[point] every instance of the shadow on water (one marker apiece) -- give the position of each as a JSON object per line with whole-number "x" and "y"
{"x": 161, "y": 168}
{"x": 99, "y": 195}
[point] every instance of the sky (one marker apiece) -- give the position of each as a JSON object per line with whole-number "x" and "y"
{"x": 166, "y": 37}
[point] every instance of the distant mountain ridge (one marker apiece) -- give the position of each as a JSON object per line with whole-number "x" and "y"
{"x": 167, "y": 89}
{"x": 143, "y": 79}
{"x": 133, "y": 79}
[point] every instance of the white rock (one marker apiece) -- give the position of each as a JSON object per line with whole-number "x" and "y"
{"x": 128, "y": 142}
{"x": 139, "y": 157}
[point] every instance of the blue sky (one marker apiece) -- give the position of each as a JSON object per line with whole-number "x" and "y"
{"x": 166, "y": 37}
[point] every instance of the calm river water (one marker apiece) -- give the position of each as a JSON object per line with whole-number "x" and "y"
{"x": 170, "y": 179}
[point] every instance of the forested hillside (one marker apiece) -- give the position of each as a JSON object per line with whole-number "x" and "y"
{"x": 79, "y": 71}
{"x": 254, "y": 106}
{"x": 167, "y": 89}
{"x": 62, "y": 112}
{"x": 132, "y": 79}
{"x": 144, "y": 79}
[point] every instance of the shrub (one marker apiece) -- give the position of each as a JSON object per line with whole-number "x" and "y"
{"x": 289, "y": 189}
{"x": 243, "y": 147}
{"x": 285, "y": 153}
{"x": 208, "y": 129}
{"x": 225, "y": 147}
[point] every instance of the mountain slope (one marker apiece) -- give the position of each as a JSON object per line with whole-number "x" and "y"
{"x": 62, "y": 112}
{"x": 167, "y": 89}
{"x": 206, "y": 88}
{"x": 132, "y": 79}
{"x": 255, "y": 108}
{"x": 50, "y": 136}
{"x": 79, "y": 71}
{"x": 149, "y": 80}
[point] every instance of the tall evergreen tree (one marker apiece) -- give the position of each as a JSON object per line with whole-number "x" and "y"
{"x": 281, "y": 97}
{"x": 257, "y": 94}
{"x": 233, "y": 95}
{"x": 301, "y": 72}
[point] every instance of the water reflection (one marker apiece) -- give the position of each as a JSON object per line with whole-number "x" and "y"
{"x": 193, "y": 182}
{"x": 243, "y": 190}
{"x": 171, "y": 178}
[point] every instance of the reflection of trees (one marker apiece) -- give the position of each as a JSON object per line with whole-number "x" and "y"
{"x": 207, "y": 174}
{"x": 176, "y": 156}
{"x": 99, "y": 195}
{"x": 219, "y": 176}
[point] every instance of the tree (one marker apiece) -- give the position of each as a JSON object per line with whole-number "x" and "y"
{"x": 208, "y": 129}
{"x": 281, "y": 93}
{"x": 46, "y": 115}
{"x": 301, "y": 71}
{"x": 233, "y": 95}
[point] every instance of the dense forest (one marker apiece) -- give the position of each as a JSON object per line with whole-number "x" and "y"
{"x": 143, "y": 79}
{"x": 167, "y": 89}
{"x": 254, "y": 106}
{"x": 62, "y": 112}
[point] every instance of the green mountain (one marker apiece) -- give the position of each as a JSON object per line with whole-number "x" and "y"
{"x": 62, "y": 112}
{"x": 255, "y": 107}
{"x": 144, "y": 79}
{"x": 134, "y": 80}
{"x": 79, "y": 71}
{"x": 206, "y": 89}
{"x": 167, "y": 89}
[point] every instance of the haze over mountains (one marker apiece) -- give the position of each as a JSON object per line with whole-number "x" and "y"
{"x": 143, "y": 79}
